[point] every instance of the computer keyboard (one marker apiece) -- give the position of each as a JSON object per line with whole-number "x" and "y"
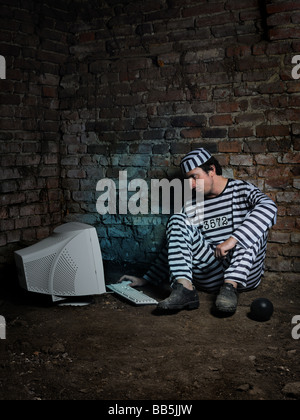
{"x": 139, "y": 298}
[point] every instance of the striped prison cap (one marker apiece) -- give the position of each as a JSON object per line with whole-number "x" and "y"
{"x": 194, "y": 159}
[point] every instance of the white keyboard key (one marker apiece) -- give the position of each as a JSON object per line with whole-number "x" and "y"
{"x": 139, "y": 298}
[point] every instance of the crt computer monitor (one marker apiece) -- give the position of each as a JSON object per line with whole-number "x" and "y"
{"x": 66, "y": 264}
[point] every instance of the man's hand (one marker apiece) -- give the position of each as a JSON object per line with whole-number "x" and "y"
{"x": 223, "y": 248}
{"x": 135, "y": 281}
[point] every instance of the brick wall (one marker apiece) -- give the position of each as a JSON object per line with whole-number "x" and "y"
{"x": 34, "y": 42}
{"x": 96, "y": 88}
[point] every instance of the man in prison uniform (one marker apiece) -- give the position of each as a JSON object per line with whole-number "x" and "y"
{"x": 225, "y": 252}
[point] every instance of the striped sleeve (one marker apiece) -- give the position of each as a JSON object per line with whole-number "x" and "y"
{"x": 261, "y": 215}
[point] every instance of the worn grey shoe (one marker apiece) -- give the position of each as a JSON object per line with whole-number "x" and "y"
{"x": 227, "y": 299}
{"x": 180, "y": 298}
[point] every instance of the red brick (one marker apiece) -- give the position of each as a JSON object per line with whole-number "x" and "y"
{"x": 223, "y": 159}
{"x": 277, "y": 48}
{"x": 241, "y": 4}
{"x": 283, "y": 6}
{"x": 230, "y": 147}
{"x": 288, "y": 197}
{"x": 296, "y": 18}
{"x": 280, "y": 145}
{"x": 257, "y": 62}
{"x": 50, "y": 126}
{"x": 29, "y": 235}
{"x": 293, "y": 211}
{"x": 3, "y": 212}
{"x": 214, "y": 19}
{"x": 190, "y": 133}
{"x": 49, "y": 92}
{"x": 9, "y": 199}
{"x": 42, "y": 233}
{"x": 221, "y": 31}
{"x": 279, "y": 237}
{"x": 13, "y": 236}
{"x": 198, "y": 94}
{"x": 180, "y": 148}
{"x": 160, "y": 161}
{"x": 279, "y": 19}
{"x": 189, "y": 121}
{"x": 279, "y": 264}
{"x": 295, "y": 237}
{"x": 76, "y": 173}
{"x": 291, "y": 157}
{"x": 273, "y": 250}
{"x": 277, "y": 183}
{"x": 265, "y": 159}
{"x": 296, "y": 183}
{"x": 273, "y": 172}
{"x": 87, "y": 37}
{"x": 272, "y": 130}
{"x": 227, "y": 107}
{"x": 284, "y": 33}
{"x": 7, "y": 224}
{"x": 203, "y": 9}
{"x": 296, "y": 46}
{"x": 252, "y": 15}
{"x": 293, "y": 87}
{"x": 269, "y": 88}
{"x": 219, "y": 120}
{"x": 3, "y": 239}
{"x": 255, "y": 146}
{"x": 252, "y": 119}
{"x": 241, "y": 160}
{"x": 214, "y": 133}
{"x": 22, "y": 223}
{"x": 291, "y": 251}
{"x": 52, "y": 183}
{"x": 240, "y": 132}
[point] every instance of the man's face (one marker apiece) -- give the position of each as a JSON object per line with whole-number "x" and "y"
{"x": 207, "y": 180}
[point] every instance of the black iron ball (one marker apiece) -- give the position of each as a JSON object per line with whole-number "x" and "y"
{"x": 261, "y": 309}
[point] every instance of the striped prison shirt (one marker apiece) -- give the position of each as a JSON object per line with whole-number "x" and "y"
{"x": 241, "y": 211}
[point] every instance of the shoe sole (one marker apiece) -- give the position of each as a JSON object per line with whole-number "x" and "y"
{"x": 189, "y": 306}
{"x": 229, "y": 309}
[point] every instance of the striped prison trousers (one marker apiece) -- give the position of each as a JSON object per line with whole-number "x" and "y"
{"x": 188, "y": 255}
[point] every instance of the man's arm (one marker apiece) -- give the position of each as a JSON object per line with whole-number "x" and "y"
{"x": 158, "y": 272}
{"x": 223, "y": 248}
{"x": 135, "y": 281}
{"x": 260, "y": 218}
